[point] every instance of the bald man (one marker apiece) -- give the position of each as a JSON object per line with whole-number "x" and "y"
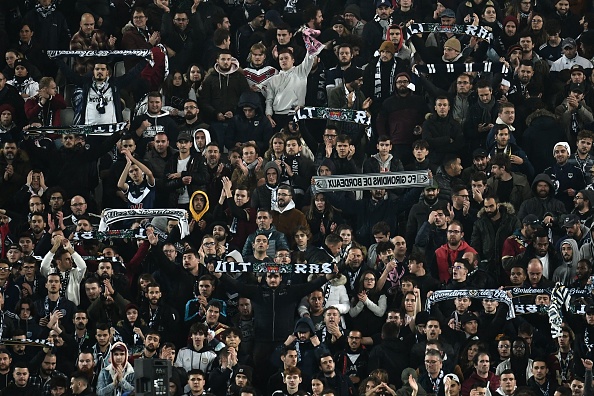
{"x": 88, "y": 38}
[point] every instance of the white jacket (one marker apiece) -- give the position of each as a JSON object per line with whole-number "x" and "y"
{"x": 337, "y": 297}
{"x": 190, "y": 359}
{"x": 76, "y": 274}
{"x": 287, "y": 89}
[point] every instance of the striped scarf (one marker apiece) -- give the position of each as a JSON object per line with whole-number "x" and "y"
{"x": 377, "y": 92}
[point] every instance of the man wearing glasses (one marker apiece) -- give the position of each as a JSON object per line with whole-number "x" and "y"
{"x": 285, "y": 215}
{"x": 446, "y": 255}
{"x": 180, "y": 37}
{"x": 78, "y": 207}
{"x": 327, "y": 149}
{"x": 138, "y": 37}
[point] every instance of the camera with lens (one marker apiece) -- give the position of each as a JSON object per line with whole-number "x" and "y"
{"x": 101, "y": 106}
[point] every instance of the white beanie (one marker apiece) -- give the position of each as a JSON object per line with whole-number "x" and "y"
{"x": 564, "y": 144}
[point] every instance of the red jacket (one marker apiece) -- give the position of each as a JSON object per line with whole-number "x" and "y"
{"x": 445, "y": 258}
{"x": 492, "y": 380}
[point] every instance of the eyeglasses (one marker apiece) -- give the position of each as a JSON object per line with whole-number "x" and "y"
{"x": 454, "y": 231}
{"x": 519, "y": 347}
{"x": 68, "y": 138}
{"x": 5, "y": 268}
{"x": 459, "y": 267}
{"x": 402, "y": 82}
{"x": 209, "y": 243}
{"x": 190, "y": 107}
{"x": 56, "y": 198}
{"x": 503, "y": 347}
{"x": 330, "y": 136}
{"x": 576, "y": 198}
{"x": 283, "y": 256}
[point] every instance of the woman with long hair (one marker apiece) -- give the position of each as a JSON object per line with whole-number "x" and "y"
{"x": 194, "y": 77}
{"x": 276, "y": 147}
{"x": 369, "y": 306}
{"x": 466, "y": 359}
{"x": 537, "y": 30}
{"x": 522, "y": 10}
{"x": 322, "y": 218}
{"x": 175, "y": 90}
{"x": 411, "y": 306}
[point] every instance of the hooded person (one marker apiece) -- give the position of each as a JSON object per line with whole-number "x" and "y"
{"x": 221, "y": 90}
{"x": 566, "y": 272}
{"x": 118, "y": 376}
{"x": 201, "y": 218}
{"x": 22, "y": 80}
{"x": 249, "y": 123}
{"x": 201, "y": 138}
{"x": 308, "y": 352}
{"x": 236, "y": 385}
{"x": 543, "y": 204}
{"x": 264, "y": 196}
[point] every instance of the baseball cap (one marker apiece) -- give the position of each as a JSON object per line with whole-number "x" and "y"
{"x": 447, "y": 13}
{"x": 590, "y": 309}
{"x": 568, "y": 42}
{"x": 576, "y": 68}
{"x": 184, "y": 136}
{"x": 383, "y": 3}
{"x": 532, "y": 220}
{"x": 453, "y": 377}
{"x": 433, "y": 185}
{"x": 479, "y": 152}
{"x": 576, "y": 87}
{"x": 467, "y": 317}
{"x": 570, "y": 220}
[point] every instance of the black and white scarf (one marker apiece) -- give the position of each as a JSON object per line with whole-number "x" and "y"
{"x": 436, "y": 382}
{"x": 459, "y": 68}
{"x": 46, "y": 306}
{"x": 476, "y": 31}
{"x": 384, "y": 24}
{"x": 377, "y": 92}
{"x": 565, "y": 364}
{"x": 64, "y": 282}
{"x": 44, "y": 12}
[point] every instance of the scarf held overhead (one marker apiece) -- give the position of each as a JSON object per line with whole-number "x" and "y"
{"x": 471, "y": 30}
{"x": 97, "y": 129}
{"x": 459, "y": 68}
{"x": 111, "y": 216}
{"x": 366, "y": 181}
{"x": 491, "y": 294}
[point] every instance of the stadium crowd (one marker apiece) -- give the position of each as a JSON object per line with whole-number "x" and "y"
{"x": 494, "y": 99}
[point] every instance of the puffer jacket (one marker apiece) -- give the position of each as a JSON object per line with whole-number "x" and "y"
{"x": 487, "y": 240}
